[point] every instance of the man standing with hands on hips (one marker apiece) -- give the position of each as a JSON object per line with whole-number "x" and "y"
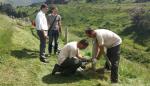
{"x": 107, "y": 39}
{"x": 42, "y": 28}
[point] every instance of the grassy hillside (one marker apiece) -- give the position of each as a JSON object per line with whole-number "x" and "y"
{"x": 22, "y": 2}
{"x": 20, "y": 66}
{"x": 113, "y": 17}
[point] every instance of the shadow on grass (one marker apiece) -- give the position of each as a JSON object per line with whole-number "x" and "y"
{"x": 33, "y": 32}
{"x": 24, "y": 53}
{"x": 86, "y": 75}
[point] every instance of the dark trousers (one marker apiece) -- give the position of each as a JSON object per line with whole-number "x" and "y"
{"x": 53, "y": 36}
{"x": 42, "y": 43}
{"x": 113, "y": 55}
{"x": 68, "y": 67}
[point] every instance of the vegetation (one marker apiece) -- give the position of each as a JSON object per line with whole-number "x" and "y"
{"x": 19, "y": 61}
{"x": 10, "y": 11}
{"x": 21, "y": 2}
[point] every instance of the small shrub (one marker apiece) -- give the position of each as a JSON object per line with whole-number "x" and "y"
{"x": 140, "y": 18}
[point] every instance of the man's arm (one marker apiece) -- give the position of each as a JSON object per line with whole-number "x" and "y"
{"x": 41, "y": 25}
{"x": 96, "y": 49}
{"x": 48, "y": 21}
{"x": 59, "y": 24}
{"x": 101, "y": 48}
{"x": 79, "y": 56}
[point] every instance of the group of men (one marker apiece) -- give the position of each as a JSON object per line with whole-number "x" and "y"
{"x": 48, "y": 28}
{"x": 69, "y": 58}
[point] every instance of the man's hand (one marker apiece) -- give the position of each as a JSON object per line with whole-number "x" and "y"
{"x": 45, "y": 34}
{"x": 60, "y": 31}
{"x": 85, "y": 59}
{"x": 94, "y": 60}
{"x": 46, "y": 37}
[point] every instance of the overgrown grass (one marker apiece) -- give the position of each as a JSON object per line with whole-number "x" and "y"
{"x": 19, "y": 50}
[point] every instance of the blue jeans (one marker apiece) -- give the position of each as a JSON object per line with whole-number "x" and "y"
{"x": 53, "y": 36}
{"x": 42, "y": 43}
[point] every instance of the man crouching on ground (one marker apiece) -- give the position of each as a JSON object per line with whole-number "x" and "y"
{"x": 69, "y": 58}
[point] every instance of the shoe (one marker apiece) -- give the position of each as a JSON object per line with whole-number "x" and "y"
{"x": 80, "y": 69}
{"x": 114, "y": 81}
{"x": 58, "y": 51}
{"x": 83, "y": 67}
{"x": 54, "y": 53}
{"x": 48, "y": 55}
{"x": 44, "y": 60}
{"x": 56, "y": 69}
{"x": 107, "y": 69}
{"x": 43, "y": 56}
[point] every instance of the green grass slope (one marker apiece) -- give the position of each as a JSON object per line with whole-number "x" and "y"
{"x": 20, "y": 66}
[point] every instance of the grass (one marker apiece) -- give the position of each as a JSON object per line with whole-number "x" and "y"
{"x": 19, "y": 50}
{"x": 20, "y": 66}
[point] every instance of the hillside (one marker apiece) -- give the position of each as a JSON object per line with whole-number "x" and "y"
{"x": 115, "y": 17}
{"x": 22, "y": 2}
{"x": 29, "y": 2}
{"x": 20, "y": 66}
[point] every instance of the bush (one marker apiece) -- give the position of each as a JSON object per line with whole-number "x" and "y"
{"x": 90, "y": 1}
{"x": 140, "y": 1}
{"x": 11, "y": 11}
{"x": 57, "y": 1}
{"x": 139, "y": 28}
{"x": 140, "y": 18}
{"x": 135, "y": 52}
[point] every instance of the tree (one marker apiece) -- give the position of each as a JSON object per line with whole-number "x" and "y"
{"x": 88, "y": 1}
{"x": 10, "y": 11}
{"x": 140, "y": 1}
{"x": 57, "y": 1}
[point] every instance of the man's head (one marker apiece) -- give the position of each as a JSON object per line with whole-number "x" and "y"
{"x": 44, "y": 8}
{"x": 82, "y": 44}
{"x": 54, "y": 9}
{"x": 90, "y": 33}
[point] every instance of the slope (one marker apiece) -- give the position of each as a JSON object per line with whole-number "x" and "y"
{"x": 20, "y": 66}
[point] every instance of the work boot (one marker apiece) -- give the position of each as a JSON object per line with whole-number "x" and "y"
{"x": 114, "y": 81}
{"x": 44, "y": 60}
{"x": 56, "y": 69}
